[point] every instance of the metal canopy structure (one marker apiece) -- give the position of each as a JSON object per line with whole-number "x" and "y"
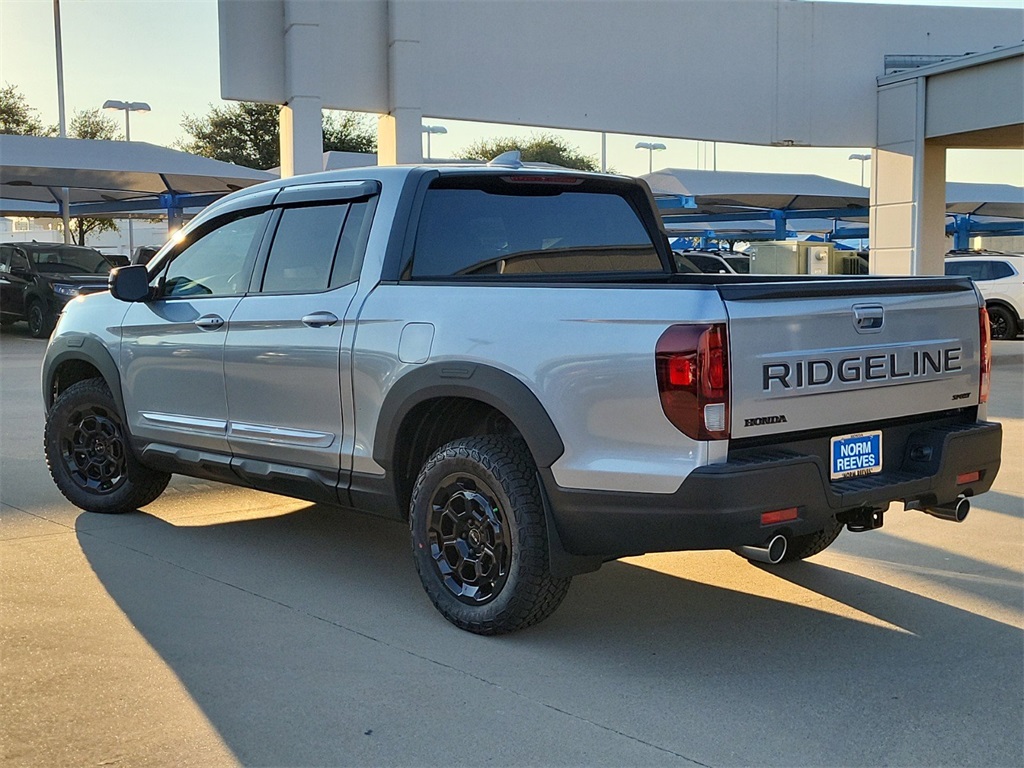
{"x": 1000, "y": 200}
{"x": 105, "y": 177}
{"x": 714, "y": 191}
{"x": 752, "y": 206}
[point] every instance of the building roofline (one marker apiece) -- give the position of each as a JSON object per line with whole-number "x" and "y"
{"x": 953, "y": 64}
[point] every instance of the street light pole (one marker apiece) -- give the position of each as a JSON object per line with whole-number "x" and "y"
{"x": 863, "y": 159}
{"x": 128, "y": 107}
{"x": 651, "y": 147}
{"x": 65, "y": 192}
{"x": 431, "y": 129}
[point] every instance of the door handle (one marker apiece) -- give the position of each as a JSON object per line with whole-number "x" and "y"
{"x": 868, "y": 318}
{"x": 319, "y": 319}
{"x": 210, "y": 322}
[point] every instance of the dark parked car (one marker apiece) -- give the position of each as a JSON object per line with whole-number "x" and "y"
{"x": 38, "y": 279}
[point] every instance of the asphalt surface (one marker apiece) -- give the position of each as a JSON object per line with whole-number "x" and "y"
{"x": 223, "y": 626}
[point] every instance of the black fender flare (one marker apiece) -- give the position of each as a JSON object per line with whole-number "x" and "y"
{"x": 86, "y": 349}
{"x": 492, "y": 386}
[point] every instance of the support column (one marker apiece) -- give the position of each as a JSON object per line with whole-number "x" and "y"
{"x": 908, "y": 187}
{"x": 962, "y": 238}
{"x": 301, "y": 119}
{"x": 400, "y": 132}
{"x": 302, "y": 139}
{"x": 400, "y": 137}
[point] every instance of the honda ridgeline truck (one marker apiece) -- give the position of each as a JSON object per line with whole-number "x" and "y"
{"x": 508, "y": 358}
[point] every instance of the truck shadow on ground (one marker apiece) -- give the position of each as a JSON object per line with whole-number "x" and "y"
{"x": 300, "y": 635}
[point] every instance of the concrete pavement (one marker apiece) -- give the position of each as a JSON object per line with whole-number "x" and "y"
{"x": 224, "y": 626}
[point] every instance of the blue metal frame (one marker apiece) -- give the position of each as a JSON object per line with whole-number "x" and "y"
{"x": 671, "y": 202}
{"x": 961, "y": 226}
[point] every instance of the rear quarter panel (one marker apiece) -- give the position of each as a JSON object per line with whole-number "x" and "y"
{"x": 587, "y": 353}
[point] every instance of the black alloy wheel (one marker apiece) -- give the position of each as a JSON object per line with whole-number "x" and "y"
{"x": 93, "y": 451}
{"x": 89, "y": 454}
{"x": 479, "y": 536}
{"x": 1002, "y": 325}
{"x": 469, "y": 543}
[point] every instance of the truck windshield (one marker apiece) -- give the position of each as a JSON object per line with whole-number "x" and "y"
{"x": 502, "y": 228}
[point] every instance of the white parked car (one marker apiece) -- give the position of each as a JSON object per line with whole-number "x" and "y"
{"x": 1000, "y": 277}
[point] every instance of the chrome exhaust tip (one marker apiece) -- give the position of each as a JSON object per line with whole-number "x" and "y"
{"x": 955, "y": 511}
{"x": 772, "y": 554}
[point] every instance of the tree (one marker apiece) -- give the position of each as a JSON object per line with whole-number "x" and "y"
{"x": 92, "y": 124}
{"x": 348, "y": 132}
{"x": 244, "y": 134}
{"x": 249, "y": 134}
{"x": 538, "y": 148}
{"x": 17, "y": 117}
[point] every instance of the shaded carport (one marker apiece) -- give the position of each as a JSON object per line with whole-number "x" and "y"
{"x": 686, "y": 196}
{"x": 744, "y": 205}
{"x": 111, "y": 177}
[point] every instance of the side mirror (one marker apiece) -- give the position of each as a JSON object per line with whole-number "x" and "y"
{"x": 129, "y": 283}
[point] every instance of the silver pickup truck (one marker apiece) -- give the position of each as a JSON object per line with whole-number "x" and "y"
{"x": 510, "y": 359}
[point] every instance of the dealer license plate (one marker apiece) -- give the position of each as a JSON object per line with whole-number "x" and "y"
{"x": 855, "y": 455}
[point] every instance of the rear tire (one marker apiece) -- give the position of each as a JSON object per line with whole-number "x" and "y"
{"x": 479, "y": 536}
{"x": 1002, "y": 323}
{"x": 89, "y": 456}
{"x": 40, "y": 323}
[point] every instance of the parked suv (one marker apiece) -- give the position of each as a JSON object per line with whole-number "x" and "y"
{"x": 1000, "y": 278}
{"x": 38, "y": 279}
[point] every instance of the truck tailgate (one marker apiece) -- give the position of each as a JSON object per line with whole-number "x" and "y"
{"x": 810, "y": 354}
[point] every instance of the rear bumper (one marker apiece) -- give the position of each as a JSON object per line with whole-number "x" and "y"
{"x": 719, "y": 506}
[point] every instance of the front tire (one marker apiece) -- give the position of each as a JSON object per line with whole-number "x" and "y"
{"x": 479, "y": 536}
{"x": 88, "y": 453}
{"x": 1002, "y": 323}
{"x": 40, "y": 322}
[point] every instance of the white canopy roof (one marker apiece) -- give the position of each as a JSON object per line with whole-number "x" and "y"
{"x": 1001, "y": 200}
{"x": 714, "y": 191}
{"x": 35, "y": 168}
{"x": 728, "y": 191}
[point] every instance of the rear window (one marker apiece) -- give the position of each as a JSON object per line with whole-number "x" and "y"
{"x": 499, "y": 227}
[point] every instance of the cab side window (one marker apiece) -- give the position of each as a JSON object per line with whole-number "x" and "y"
{"x": 219, "y": 262}
{"x": 349, "y": 259}
{"x": 303, "y": 250}
{"x": 317, "y": 248}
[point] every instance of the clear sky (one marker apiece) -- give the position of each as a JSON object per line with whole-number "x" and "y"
{"x": 165, "y": 52}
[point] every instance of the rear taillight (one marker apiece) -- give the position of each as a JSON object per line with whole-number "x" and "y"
{"x": 986, "y": 356}
{"x": 692, "y": 364}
